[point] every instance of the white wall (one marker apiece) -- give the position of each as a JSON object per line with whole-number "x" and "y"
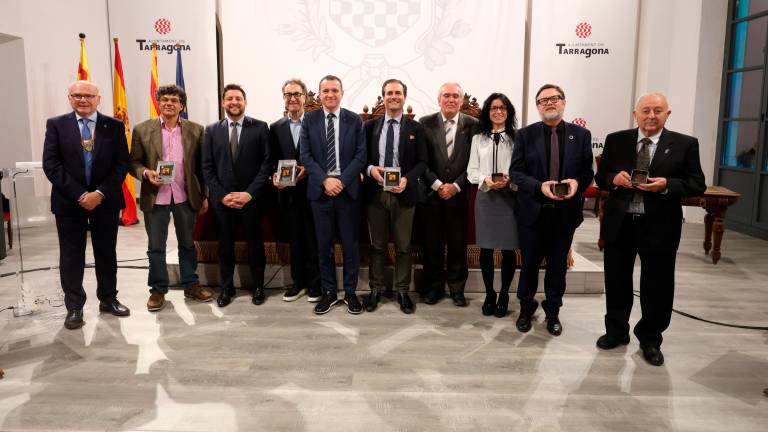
{"x": 14, "y": 141}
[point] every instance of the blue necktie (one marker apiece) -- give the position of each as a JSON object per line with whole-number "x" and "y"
{"x": 389, "y": 150}
{"x": 330, "y": 142}
{"x": 85, "y": 133}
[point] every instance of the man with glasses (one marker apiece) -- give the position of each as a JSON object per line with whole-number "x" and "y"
{"x": 295, "y": 210}
{"x": 85, "y": 157}
{"x": 236, "y": 168}
{"x": 179, "y": 191}
{"x": 552, "y": 166}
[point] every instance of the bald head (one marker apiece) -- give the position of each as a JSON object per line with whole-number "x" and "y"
{"x": 84, "y": 97}
{"x": 651, "y": 113}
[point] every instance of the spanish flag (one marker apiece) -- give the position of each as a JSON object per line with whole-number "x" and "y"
{"x": 120, "y": 110}
{"x": 154, "y": 108}
{"x": 83, "y": 72}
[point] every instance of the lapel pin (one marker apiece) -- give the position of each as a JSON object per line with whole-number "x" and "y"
{"x": 666, "y": 151}
{"x": 411, "y": 137}
{"x": 570, "y": 137}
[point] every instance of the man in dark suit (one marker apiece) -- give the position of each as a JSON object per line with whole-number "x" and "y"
{"x": 548, "y": 153}
{"x": 647, "y": 170}
{"x": 236, "y": 167}
{"x": 85, "y": 157}
{"x": 333, "y": 152}
{"x": 296, "y": 213}
{"x": 444, "y": 211}
{"x": 393, "y": 140}
{"x": 177, "y": 141}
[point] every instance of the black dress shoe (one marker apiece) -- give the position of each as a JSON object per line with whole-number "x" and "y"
{"x": 258, "y": 295}
{"x": 371, "y": 301}
{"x": 502, "y": 305}
{"x": 554, "y": 327}
{"x": 652, "y": 355}
{"x": 459, "y": 300}
{"x": 353, "y": 304}
{"x": 114, "y": 307}
{"x": 324, "y": 305}
{"x": 765, "y": 391}
{"x": 523, "y": 323}
{"x": 607, "y": 341}
{"x": 74, "y": 319}
{"x": 433, "y": 297}
{"x": 225, "y": 298}
{"x": 489, "y": 304}
{"x": 406, "y": 305}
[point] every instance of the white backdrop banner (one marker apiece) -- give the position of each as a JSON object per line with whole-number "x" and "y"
{"x": 189, "y": 26}
{"x": 587, "y": 47}
{"x": 365, "y": 42}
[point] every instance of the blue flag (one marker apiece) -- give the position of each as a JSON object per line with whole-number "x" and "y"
{"x": 180, "y": 80}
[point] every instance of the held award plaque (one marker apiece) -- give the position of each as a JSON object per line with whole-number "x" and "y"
{"x": 639, "y": 177}
{"x": 167, "y": 171}
{"x": 391, "y": 178}
{"x": 559, "y": 189}
{"x": 286, "y": 172}
{"x": 497, "y": 177}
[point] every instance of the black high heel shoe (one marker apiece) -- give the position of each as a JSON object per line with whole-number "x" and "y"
{"x": 489, "y": 305}
{"x": 502, "y": 306}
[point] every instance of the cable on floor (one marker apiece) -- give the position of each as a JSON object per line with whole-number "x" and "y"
{"x": 719, "y": 323}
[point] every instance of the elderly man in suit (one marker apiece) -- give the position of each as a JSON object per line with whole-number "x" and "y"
{"x": 85, "y": 157}
{"x": 236, "y": 167}
{"x": 647, "y": 170}
{"x": 548, "y": 153}
{"x": 393, "y": 141}
{"x": 177, "y": 143}
{"x": 295, "y": 210}
{"x": 445, "y": 209}
{"x": 333, "y": 152}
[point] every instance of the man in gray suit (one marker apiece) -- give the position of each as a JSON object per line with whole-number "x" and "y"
{"x": 449, "y": 137}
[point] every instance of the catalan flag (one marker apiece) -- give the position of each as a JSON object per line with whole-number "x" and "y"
{"x": 120, "y": 110}
{"x": 83, "y": 72}
{"x": 154, "y": 108}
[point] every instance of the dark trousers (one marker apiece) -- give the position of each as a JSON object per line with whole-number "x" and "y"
{"x": 341, "y": 212}
{"x": 72, "y": 239}
{"x": 156, "y": 223}
{"x": 508, "y": 265}
{"x": 657, "y": 283}
{"x": 296, "y": 214}
{"x": 388, "y": 214}
{"x": 548, "y": 238}
{"x": 445, "y": 227}
{"x": 228, "y": 221}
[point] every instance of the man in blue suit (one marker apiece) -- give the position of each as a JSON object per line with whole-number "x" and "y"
{"x": 85, "y": 157}
{"x": 548, "y": 153}
{"x": 236, "y": 168}
{"x": 332, "y": 148}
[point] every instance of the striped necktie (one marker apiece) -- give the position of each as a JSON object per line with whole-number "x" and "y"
{"x": 330, "y": 144}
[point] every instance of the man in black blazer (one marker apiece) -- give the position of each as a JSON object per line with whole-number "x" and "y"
{"x": 393, "y": 140}
{"x": 333, "y": 152}
{"x": 547, "y": 153}
{"x": 644, "y": 218}
{"x": 85, "y": 157}
{"x": 236, "y": 167}
{"x": 296, "y": 213}
{"x": 444, "y": 211}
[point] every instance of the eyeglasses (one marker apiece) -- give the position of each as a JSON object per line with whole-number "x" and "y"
{"x": 170, "y": 100}
{"x": 498, "y": 108}
{"x": 552, "y": 99}
{"x": 78, "y": 96}
{"x": 296, "y": 95}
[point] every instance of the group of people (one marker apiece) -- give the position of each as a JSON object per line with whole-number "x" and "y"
{"x": 529, "y": 200}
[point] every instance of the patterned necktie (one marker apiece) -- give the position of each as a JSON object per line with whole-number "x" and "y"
{"x": 554, "y": 155}
{"x": 233, "y": 140}
{"x": 449, "y": 137}
{"x": 389, "y": 150}
{"x": 642, "y": 163}
{"x": 330, "y": 144}
{"x": 85, "y": 133}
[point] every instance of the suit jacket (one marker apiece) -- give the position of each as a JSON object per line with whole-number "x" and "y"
{"x": 251, "y": 169}
{"x": 282, "y": 147}
{"x": 147, "y": 150}
{"x": 64, "y": 164}
{"x": 351, "y": 151}
{"x": 439, "y": 165}
{"x": 676, "y": 158}
{"x": 529, "y": 169}
{"x": 412, "y": 155}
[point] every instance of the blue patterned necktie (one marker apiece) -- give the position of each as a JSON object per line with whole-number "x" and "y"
{"x": 389, "y": 149}
{"x": 330, "y": 142}
{"x": 85, "y": 133}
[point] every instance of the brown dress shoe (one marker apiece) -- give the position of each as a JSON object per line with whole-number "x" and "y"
{"x": 156, "y": 302}
{"x": 198, "y": 293}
